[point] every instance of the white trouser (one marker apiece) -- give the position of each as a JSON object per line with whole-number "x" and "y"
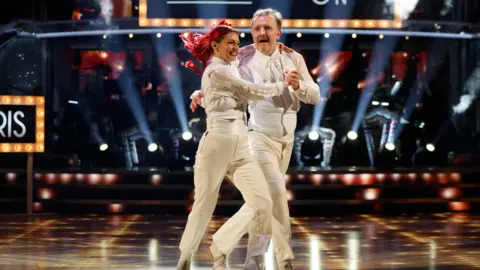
{"x": 218, "y": 154}
{"x": 273, "y": 156}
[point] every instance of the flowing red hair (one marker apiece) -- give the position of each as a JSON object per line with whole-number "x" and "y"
{"x": 199, "y": 44}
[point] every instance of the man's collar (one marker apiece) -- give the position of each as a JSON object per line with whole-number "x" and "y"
{"x": 265, "y": 58}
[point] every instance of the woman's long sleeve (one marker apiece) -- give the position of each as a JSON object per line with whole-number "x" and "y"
{"x": 222, "y": 79}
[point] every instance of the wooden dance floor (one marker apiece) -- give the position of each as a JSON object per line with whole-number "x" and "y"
{"x": 414, "y": 241}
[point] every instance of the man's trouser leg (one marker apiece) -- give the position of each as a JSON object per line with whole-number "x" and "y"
{"x": 249, "y": 179}
{"x": 269, "y": 155}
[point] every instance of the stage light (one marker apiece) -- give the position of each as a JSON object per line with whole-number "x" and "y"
{"x": 327, "y": 35}
{"x": 352, "y": 135}
{"x": 103, "y": 147}
{"x": 187, "y": 135}
{"x": 45, "y": 193}
{"x": 185, "y": 146}
{"x": 65, "y": 178}
{"x": 159, "y": 35}
{"x": 348, "y": 179}
{"x": 109, "y": 178}
{"x": 311, "y": 150}
{"x": 94, "y": 179}
{"x": 430, "y": 147}
{"x": 371, "y": 194}
{"x": 390, "y": 146}
{"x": 37, "y": 206}
{"x": 459, "y": 206}
{"x": 156, "y": 178}
{"x": 354, "y": 35}
{"x": 11, "y": 177}
{"x": 386, "y": 158}
{"x": 450, "y": 193}
{"x": 299, "y": 35}
{"x": 242, "y": 35}
{"x": 115, "y": 208}
{"x": 130, "y": 35}
{"x": 152, "y": 147}
{"x": 313, "y": 135}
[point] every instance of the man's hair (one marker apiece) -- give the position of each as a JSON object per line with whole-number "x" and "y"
{"x": 269, "y": 11}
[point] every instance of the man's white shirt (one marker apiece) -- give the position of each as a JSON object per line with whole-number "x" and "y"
{"x": 277, "y": 116}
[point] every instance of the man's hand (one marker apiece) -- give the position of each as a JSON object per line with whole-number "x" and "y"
{"x": 246, "y": 50}
{"x": 293, "y": 78}
{"x": 196, "y": 100}
{"x": 282, "y": 48}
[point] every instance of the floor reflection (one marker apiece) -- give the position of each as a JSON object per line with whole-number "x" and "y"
{"x": 439, "y": 241}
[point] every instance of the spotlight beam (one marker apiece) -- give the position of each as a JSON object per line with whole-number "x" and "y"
{"x": 81, "y": 103}
{"x": 174, "y": 82}
{"x": 381, "y": 55}
{"x": 132, "y": 96}
{"x": 334, "y": 44}
{"x": 438, "y": 50}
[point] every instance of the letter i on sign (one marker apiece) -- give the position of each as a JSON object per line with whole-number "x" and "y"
{"x": 9, "y": 123}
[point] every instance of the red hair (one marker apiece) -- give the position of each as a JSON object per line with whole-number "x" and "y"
{"x": 199, "y": 45}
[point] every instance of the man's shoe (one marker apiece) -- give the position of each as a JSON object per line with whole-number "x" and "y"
{"x": 255, "y": 263}
{"x": 219, "y": 259}
{"x": 285, "y": 265}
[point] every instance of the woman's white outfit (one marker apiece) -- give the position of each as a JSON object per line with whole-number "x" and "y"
{"x": 224, "y": 149}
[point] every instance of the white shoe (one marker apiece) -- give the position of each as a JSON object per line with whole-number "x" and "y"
{"x": 184, "y": 263}
{"x": 219, "y": 259}
{"x": 255, "y": 263}
{"x": 285, "y": 265}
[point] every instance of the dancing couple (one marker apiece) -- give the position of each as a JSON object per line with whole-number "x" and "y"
{"x": 272, "y": 80}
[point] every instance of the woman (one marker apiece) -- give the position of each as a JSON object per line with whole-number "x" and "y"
{"x": 224, "y": 146}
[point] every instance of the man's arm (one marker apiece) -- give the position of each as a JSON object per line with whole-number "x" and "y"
{"x": 307, "y": 90}
{"x": 217, "y": 101}
{"x": 197, "y": 99}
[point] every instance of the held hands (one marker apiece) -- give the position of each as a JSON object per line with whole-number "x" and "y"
{"x": 292, "y": 77}
{"x": 196, "y": 100}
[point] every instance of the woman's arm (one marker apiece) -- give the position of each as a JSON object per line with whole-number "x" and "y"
{"x": 222, "y": 79}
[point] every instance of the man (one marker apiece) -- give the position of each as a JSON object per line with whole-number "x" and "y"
{"x": 271, "y": 129}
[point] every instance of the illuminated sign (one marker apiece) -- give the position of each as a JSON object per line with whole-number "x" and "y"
{"x": 297, "y": 14}
{"x": 22, "y": 124}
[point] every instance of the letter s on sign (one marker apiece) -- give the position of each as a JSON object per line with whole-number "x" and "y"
{"x": 18, "y": 122}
